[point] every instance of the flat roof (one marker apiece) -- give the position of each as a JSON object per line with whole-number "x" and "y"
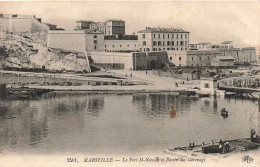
{"x": 162, "y": 30}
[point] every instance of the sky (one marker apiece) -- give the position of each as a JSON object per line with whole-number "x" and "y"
{"x": 213, "y": 22}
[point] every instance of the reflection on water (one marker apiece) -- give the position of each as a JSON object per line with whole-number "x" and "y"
{"x": 94, "y": 123}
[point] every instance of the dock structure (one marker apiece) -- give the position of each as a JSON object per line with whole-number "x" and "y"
{"x": 239, "y": 89}
{"x": 244, "y": 145}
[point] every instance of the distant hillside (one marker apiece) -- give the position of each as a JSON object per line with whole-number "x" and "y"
{"x": 21, "y": 51}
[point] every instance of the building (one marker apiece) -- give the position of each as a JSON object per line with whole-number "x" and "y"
{"x": 201, "y": 57}
{"x": 94, "y": 40}
{"x": 222, "y": 61}
{"x": 84, "y": 40}
{"x": 163, "y": 39}
{"x": 241, "y": 55}
{"x": 208, "y": 85}
{"x": 227, "y": 44}
{"x": 204, "y": 46}
{"x": 83, "y": 24}
{"x": 178, "y": 58}
{"x": 121, "y": 43}
{"x": 114, "y": 27}
{"x": 27, "y": 24}
{"x": 190, "y": 74}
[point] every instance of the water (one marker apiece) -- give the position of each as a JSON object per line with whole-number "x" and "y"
{"x": 116, "y": 124}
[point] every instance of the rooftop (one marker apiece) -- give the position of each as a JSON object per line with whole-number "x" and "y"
{"x": 161, "y": 30}
{"x": 86, "y": 21}
{"x": 115, "y": 20}
{"x": 204, "y": 43}
{"x": 226, "y": 42}
{"x": 121, "y": 37}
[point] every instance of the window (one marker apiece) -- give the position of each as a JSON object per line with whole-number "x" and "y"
{"x": 168, "y": 36}
{"x": 168, "y": 43}
{"x": 172, "y": 43}
{"x": 154, "y": 49}
{"x": 186, "y": 36}
{"x": 127, "y": 45}
{"x": 181, "y": 42}
{"x": 177, "y": 43}
{"x": 159, "y": 49}
{"x": 144, "y": 43}
{"x": 120, "y": 46}
{"x": 153, "y": 35}
{"x": 112, "y": 45}
{"x": 143, "y": 36}
{"x": 163, "y": 48}
{"x": 147, "y": 49}
{"x": 206, "y": 85}
{"x": 177, "y": 36}
{"x": 181, "y": 36}
{"x": 95, "y": 41}
{"x": 168, "y": 48}
{"x": 170, "y": 58}
{"x": 181, "y": 48}
{"x": 172, "y": 36}
{"x": 163, "y": 36}
{"x": 158, "y": 36}
{"x": 105, "y": 46}
{"x": 173, "y": 48}
{"x": 14, "y": 15}
{"x": 154, "y": 43}
{"x": 185, "y": 48}
{"x": 163, "y": 43}
{"x": 191, "y": 58}
{"x": 95, "y": 36}
{"x": 186, "y": 43}
{"x": 179, "y": 58}
{"x": 1, "y": 15}
{"x": 177, "y": 48}
{"x": 159, "y": 43}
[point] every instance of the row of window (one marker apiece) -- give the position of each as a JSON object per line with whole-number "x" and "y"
{"x": 119, "y": 46}
{"x": 167, "y": 36}
{"x": 168, "y": 43}
{"x": 162, "y": 49}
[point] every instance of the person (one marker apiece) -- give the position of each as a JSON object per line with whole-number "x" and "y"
{"x": 225, "y": 147}
{"x": 220, "y": 142}
{"x": 211, "y": 143}
{"x": 228, "y": 146}
{"x": 220, "y": 148}
{"x": 202, "y": 145}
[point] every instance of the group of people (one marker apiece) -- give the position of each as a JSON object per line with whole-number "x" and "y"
{"x": 224, "y": 146}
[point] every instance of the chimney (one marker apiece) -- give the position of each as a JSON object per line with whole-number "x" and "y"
{"x": 147, "y": 28}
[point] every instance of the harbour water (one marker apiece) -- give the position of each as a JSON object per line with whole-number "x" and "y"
{"x": 118, "y": 124}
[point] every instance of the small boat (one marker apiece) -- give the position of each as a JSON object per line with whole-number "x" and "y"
{"x": 224, "y": 112}
{"x": 203, "y": 95}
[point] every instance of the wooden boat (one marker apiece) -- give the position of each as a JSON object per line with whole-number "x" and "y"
{"x": 224, "y": 112}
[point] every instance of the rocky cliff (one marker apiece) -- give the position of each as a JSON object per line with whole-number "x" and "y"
{"x": 21, "y": 51}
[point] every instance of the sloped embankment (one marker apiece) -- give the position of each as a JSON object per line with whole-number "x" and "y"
{"x": 22, "y": 52}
